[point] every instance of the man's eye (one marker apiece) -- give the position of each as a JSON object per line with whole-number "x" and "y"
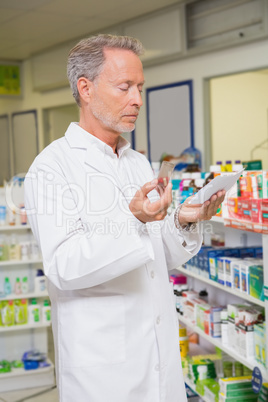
{"x": 123, "y": 89}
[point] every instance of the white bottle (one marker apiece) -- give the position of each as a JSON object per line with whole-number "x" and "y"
{"x": 34, "y": 249}
{"x": 40, "y": 284}
{"x": 34, "y": 313}
{"x": 14, "y": 248}
{"x": 24, "y": 249}
{"x": 24, "y": 285}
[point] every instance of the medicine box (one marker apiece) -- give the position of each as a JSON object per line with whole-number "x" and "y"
{"x": 229, "y": 266}
{"x": 213, "y": 268}
{"x": 236, "y": 274}
{"x": 233, "y": 331}
{"x": 244, "y": 275}
{"x": 234, "y": 384}
{"x": 212, "y": 325}
{"x": 256, "y": 281}
{"x": 260, "y": 343}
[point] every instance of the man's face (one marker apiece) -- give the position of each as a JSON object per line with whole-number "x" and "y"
{"x": 116, "y": 92}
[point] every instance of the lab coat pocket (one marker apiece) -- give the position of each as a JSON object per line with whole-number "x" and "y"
{"x": 91, "y": 331}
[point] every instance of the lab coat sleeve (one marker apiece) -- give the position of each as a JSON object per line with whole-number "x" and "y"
{"x": 179, "y": 246}
{"x": 76, "y": 256}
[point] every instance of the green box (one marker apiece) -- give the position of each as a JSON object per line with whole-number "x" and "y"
{"x": 256, "y": 282}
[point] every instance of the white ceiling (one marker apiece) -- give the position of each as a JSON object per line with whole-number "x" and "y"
{"x": 30, "y": 26}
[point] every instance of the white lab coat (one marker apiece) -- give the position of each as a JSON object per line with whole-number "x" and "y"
{"x": 113, "y": 316}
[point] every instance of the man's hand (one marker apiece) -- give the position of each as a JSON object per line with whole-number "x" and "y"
{"x": 147, "y": 211}
{"x": 202, "y": 212}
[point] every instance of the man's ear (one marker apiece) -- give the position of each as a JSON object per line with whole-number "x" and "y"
{"x": 84, "y": 88}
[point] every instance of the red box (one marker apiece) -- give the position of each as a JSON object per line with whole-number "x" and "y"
{"x": 245, "y": 209}
{"x": 239, "y": 207}
{"x": 264, "y": 211}
{"x": 256, "y": 213}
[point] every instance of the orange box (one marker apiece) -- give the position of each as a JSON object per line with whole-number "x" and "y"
{"x": 245, "y": 187}
{"x": 232, "y": 206}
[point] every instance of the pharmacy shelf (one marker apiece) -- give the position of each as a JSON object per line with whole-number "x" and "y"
{"x": 241, "y": 225}
{"x": 5, "y": 228}
{"x": 217, "y": 219}
{"x": 193, "y": 387}
{"x": 19, "y": 262}
{"x": 24, "y": 327}
{"x": 234, "y": 292}
{"x": 250, "y": 363}
{"x": 25, "y": 296}
{"x": 19, "y": 378}
{"x": 22, "y": 372}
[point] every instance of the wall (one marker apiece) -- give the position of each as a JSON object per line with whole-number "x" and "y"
{"x": 199, "y": 69}
{"x": 239, "y": 118}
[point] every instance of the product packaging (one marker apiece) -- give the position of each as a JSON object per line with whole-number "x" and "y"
{"x": 3, "y": 213}
{"x": 229, "y": 270}
{"x": 21, "y": 311}
{"x": 224, "y": 327}
{"x": 40, "y": 284}
{"x": 260, "y": 343}
{"x": 46, "y": 312}
{"x": 34, "y": 312}
{"x": 7, "y": 312}
{"x": 256, "y": 281}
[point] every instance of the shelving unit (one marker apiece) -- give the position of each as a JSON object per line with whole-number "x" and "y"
{"x": 242, "y": 229}
{"x": 217, "y": 342}
{"x": 16, "y": 339}
{"x": 23, "y": 379}
{"x": 217, "y": 285}
{"x": 5, "y": 228}
{"x": 24, "y": 327}
{"x": 19, "y": 262}
{"x": 25, "y": 296}
{"x": 193, "y": 387}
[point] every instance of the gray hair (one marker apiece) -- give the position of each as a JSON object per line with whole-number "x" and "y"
{"x": 87, "y": 58}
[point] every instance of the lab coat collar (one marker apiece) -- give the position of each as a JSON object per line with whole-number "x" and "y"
{"x": 77, "y": 137}
{"x": 97, "y": 152}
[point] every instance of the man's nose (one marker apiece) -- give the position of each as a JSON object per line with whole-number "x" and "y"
{"x": 136, "y": 99}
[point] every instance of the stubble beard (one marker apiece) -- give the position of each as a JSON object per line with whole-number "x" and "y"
{"x": 103, "y": 114}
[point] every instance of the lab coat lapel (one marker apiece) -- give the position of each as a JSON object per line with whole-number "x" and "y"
{"x": 98, "y": 161}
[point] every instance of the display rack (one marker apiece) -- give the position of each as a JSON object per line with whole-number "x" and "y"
{"x": 210, "y": 282}
{"x": 24, "y": 327}
{"x": 250, "y": 363}
{"x": 19, "y": 262}
{"x": 23, "y": 379}
{"x": 16, "y": 339}
{"x": 193, "y": 387}
{"x": 227, "y": 224}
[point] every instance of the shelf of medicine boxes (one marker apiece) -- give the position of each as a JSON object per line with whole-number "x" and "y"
{"x": 242, "y": 225}
{"x": 234, "y": 292}
{"x": 250, "y": 363}
{"x": 193, "y": 387}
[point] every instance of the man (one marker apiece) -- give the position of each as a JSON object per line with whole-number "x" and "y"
{"x": 106, "y": 240}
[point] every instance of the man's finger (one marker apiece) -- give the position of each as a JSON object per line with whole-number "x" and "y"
{"x": 147, "y": 187}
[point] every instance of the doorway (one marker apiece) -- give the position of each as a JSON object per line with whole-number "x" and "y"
{"x": 239, "y": 117}
{"x": 56, "y": 121}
